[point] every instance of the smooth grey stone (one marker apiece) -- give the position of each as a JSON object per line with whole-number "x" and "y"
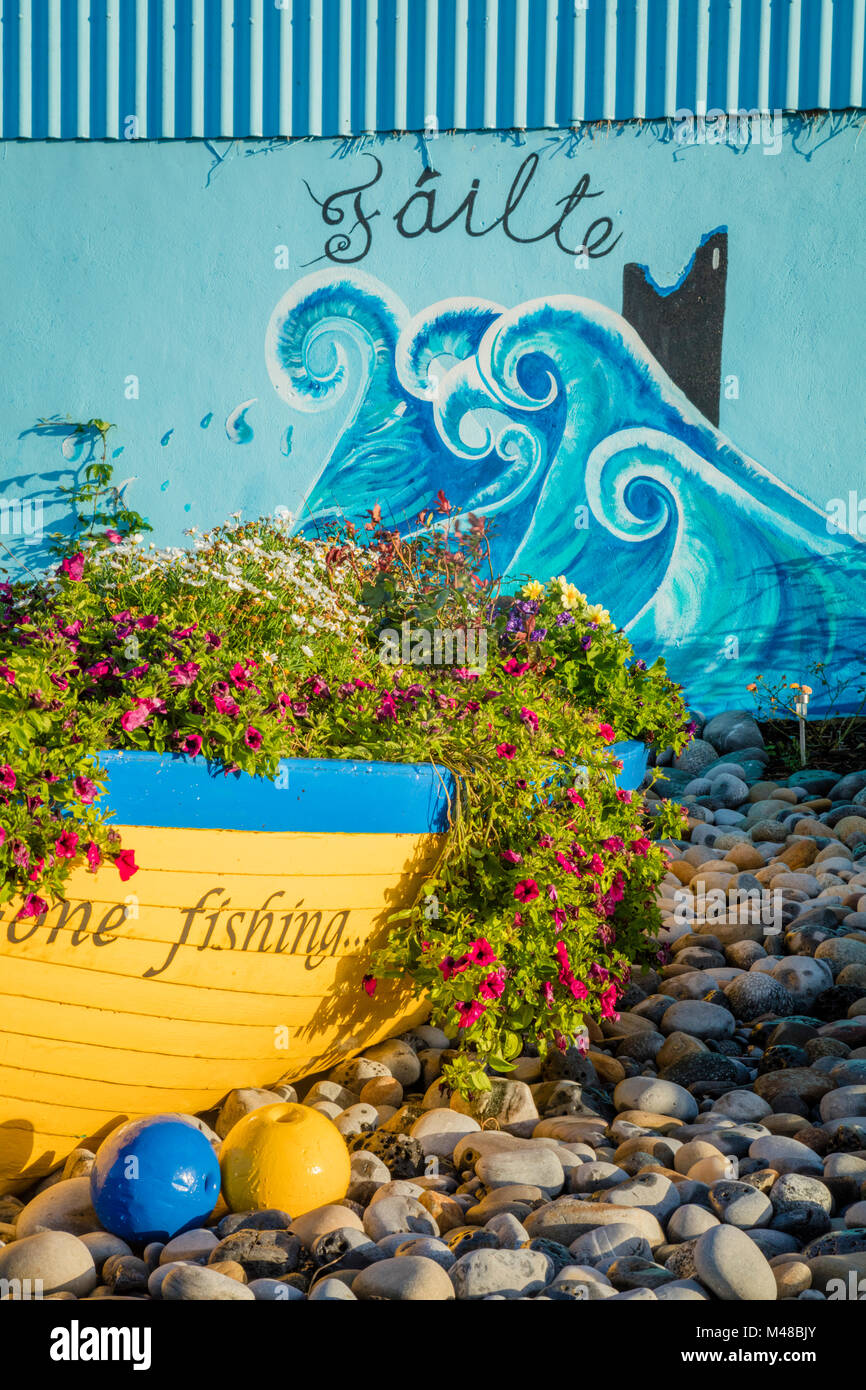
{"x": 197, "y": 1283}
{"x": 651, "y": 1191}
{"x": 595, "y": 1177}
{"x": 660, "y": 1097}
{"x": 732, "y": 1266}
{"x": 59, "y": 1259}
{"x": 428, "y": 1248}
{"x": 688, "y": 1222}
{"x": 740, "y": 1205}
{"x": 510, "y": 1272}
{"x": 331, "y": 1291}
{"x": 602, "y": 1245}
{"x": 699, "y": 1018}
{"x": 510, "y": 1232}
{"x": 682, "y": 1291}
{"x": 412, "y": 1278}
{"x": 786, "y": 1155}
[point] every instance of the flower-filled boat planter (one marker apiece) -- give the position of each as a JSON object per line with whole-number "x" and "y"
{"x": 234, "y": 956}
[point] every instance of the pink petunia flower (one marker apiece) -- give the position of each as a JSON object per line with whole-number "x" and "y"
{"x": 253, "y": 738}
{"x": 73, "y": 567}
{"x": 369, "y": 984}
{"x": 31, "y": 907}
{"x": 387, "y": 708}
{"x": 192, "y": 745}
{"x": 607, "y": 999}
{"x": 125, "y": 864}
{"x": 66, "y": 844}
{"x": 526, "y": 891}
{"x": 493, "y": 985}
{"x": 481, "y": 952}
{"x": 505, "y": 750}
{"x": 85, "y": 790}
{"x": 511, "y": 856}
{"x": 140, "y": 713}
{"x": 94, "y": 855}
{"x": 607, "y": 733}
{"x": 184, "y": 673}
{"x": 227, "y": 707}
{"x": 8, "y": 780}
{"x": 469, "y": 1012}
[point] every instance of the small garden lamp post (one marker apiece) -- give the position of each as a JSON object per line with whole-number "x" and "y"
{"x": 801, "y": 708}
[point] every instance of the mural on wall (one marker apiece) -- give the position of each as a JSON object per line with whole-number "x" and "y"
{"x": 590, "y": 341}
{"x": 553, "y": 419}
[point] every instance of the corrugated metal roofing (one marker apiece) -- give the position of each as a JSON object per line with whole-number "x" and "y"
{"x": 161, "y": 69}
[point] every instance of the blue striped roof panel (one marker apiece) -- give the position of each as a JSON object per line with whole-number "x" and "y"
{"x": 187, "y": 69}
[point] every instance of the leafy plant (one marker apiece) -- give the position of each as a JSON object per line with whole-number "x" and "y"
{"x": 596, "y": 663}
{"x": 439, "y": 576}
{"x": 251, "y": 644}
{"x": 830, "y": 733}
{"x": 99, "y": 509}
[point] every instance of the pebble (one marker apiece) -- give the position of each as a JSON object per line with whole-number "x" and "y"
{"x": 197, "y": 1283}
{"x": 406, "y": 1278}
{"x": 439, "y": 1130}
{"x": 65, "y": 1206}
{"x": 512, "y": 1273}
{"x": 59, "y": 1259}
{"x": 732, "y": 1267}
{"x": 696, "y": 1016}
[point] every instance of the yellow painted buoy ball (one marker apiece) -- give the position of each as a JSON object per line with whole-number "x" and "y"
{"x": 285, "y": 1156}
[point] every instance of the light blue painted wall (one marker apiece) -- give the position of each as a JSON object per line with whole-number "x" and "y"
{"x": 158, "y": 261}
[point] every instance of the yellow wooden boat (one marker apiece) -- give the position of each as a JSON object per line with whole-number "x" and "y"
{"x": 234, "y": 957}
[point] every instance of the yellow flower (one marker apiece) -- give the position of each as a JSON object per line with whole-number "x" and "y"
{"x": 533, "y": 589}
{"x": 752, "y": 686}
{"x": 597, "y": 614}
{"x": 806, "y": 689}
{"x": 572, "y": 596}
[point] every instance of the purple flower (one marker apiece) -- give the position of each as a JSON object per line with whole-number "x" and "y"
{"x": 538, "y": 634}
{"x": 586, "y": 642}
{"x": 565, "y": 620}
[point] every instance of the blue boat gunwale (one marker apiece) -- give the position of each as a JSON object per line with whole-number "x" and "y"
{"x": 309, "y": 795}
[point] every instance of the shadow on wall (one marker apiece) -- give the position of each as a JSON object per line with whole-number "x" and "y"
{"x": 35, "y": 508}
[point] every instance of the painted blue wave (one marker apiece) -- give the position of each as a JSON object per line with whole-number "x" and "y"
{"x": 554, "y": 420}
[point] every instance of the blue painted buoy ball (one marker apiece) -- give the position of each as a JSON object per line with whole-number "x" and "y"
{"x": 153, "y": 1178}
